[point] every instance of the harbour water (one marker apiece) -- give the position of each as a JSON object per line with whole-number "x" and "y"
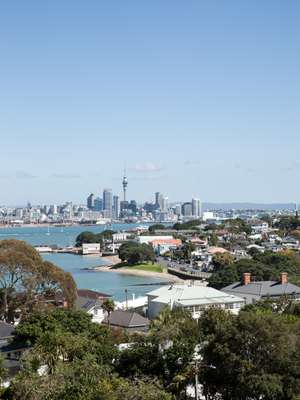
{"x": 107, "y": 282}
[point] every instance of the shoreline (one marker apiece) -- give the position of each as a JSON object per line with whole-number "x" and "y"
{"x": 136, "y": 272}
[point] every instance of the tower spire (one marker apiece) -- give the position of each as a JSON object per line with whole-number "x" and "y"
{"x": 125, "y": 184}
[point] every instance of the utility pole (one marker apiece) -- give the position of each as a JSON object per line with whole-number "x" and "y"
{"x": 196, "y": 384}
{"x": 126, "y": 294}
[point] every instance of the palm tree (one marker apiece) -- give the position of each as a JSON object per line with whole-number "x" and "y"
{"x": 108, "y": 306}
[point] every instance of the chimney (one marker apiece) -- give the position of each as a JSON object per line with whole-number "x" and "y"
{"x": 246, "y": 278}
{"x": 283, "y": 278}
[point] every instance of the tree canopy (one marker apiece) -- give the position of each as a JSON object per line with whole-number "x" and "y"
{"x": 252, "y": 356}
{"x": 263, "y": 266}
{"x": 135, "y": 253}
{"x": 91, "y": 237}
{"x": 26, "y": 280}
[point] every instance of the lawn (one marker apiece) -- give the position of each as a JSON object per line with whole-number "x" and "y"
{"x": 147, "y": 267}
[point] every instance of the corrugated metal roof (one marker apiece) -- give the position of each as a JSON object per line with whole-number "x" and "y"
{"x": 192, "y": 295}
{"x": 263, "y": 288}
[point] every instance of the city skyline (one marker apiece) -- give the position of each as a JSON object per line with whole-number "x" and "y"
{"x": 197, "y": 98}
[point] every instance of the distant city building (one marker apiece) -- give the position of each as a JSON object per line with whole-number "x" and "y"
{"x": 53, "y": 209}
{"x": 187, "y": 209}
{"x": 107, "y": 203}
{"x": 132, "y": 206}
{"x": 98, "y": 204}
{"x": 124, "y": 205}
{"x": 178, "y": 210}
{"x": 158, "y": 200}
{"x": 208, "y": 215}
{"x": 164, "y": 204}
{"x": 116, "y": 207}
{"x": 149, "y": 207}
{"x": 90, "y": 201}
{"x": 196, "y": 208}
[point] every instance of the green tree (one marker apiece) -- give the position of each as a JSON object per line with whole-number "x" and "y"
{"x": 91, "y": 237}
{"x": 166, "y": 353}
{"x": 252, "y": 356}
{"x": 221, "y": 260}
{"x": 108, "y": 306}
{"x": 156, "y": 227}
{"x": 134, "y": 253}
{"x": 26, "y": 280}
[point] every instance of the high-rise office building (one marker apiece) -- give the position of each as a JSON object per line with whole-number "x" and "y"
{"x": 132, "y": 206}
{"x": 196, "y": 208}
{"x": 53, "y": 209}
{"x": 90, "y": 201}
{"x": 178, "y": 210}
{"x": 186, "y": 209}
{"x": 98, "y": 204}
{"x": 164, "y": 204}
{"x": 116, "y": 207}
{"x": 107, "y": 203}
{"x": 159, "y": 198}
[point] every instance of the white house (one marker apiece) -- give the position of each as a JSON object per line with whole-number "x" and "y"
{"x": 90, "y": 248}
{"x": 194, "y": 298}
{"x": 147, "y": 239}
{"x": 91, "y": 302}
{"x": 259, "y": 226}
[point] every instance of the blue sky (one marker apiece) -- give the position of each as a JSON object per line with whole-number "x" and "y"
{"x": 197, "y": 98}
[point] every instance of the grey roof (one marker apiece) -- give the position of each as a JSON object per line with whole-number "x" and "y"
{"x": 6, "y": 330}
{"x": 189, "y": 295}
{"x": 126, "y": 319}
{"x": 83, "y": 303}
{"x": 263, "y": 288}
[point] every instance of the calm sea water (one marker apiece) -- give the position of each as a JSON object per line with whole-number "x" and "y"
{"x": 107, "y": 282}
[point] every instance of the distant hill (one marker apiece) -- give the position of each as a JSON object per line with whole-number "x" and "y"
{"x": 248, "y": 206}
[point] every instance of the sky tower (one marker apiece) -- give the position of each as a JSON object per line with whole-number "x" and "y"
{"x": 125, "y": 184}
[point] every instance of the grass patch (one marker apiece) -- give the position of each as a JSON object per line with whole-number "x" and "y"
{"x": 146, "y": 266}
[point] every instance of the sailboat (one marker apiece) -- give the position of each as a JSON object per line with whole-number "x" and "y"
{"x": 48, "y": 231}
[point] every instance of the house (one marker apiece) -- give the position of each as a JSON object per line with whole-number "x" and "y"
{"x": 91, "y": 302}
{"x": 253, "y": 291}
{"x": 130, "y": 321}
{"x": 163, "y": 246}
{"x": 258, "y": 226}
{"x": 215, "y": 250}
{"x": 192, "y": 297}
{"x": 91, "y": 248}
{"x": 138, "y": 304}
{"x": 290, "y": 243}
{"x": 10, "y": 351}
{"x": 147, "y": 239}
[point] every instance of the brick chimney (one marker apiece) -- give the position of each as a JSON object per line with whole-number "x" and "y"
{"x": 283, "y": 278}
{"x": 246, "y": 278}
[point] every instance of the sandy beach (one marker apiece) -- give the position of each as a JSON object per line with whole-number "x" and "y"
{"x": 132, "y": 271}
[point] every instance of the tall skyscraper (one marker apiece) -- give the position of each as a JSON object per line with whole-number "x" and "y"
{"x": 98, "y": 204}
{"x": 90, "y": 201}
{"x": 116, "y": 207}
{"x": 124, "y": 184}
{"x": 159, "y": 200}
{"x": 107, "y": 203}
{"x": 164, "y": 204}
{"x": 187, "y": 209}
{"x": 196, "y": 208}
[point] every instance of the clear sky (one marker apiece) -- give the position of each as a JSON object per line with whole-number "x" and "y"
{"x": 198, "y": 98}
